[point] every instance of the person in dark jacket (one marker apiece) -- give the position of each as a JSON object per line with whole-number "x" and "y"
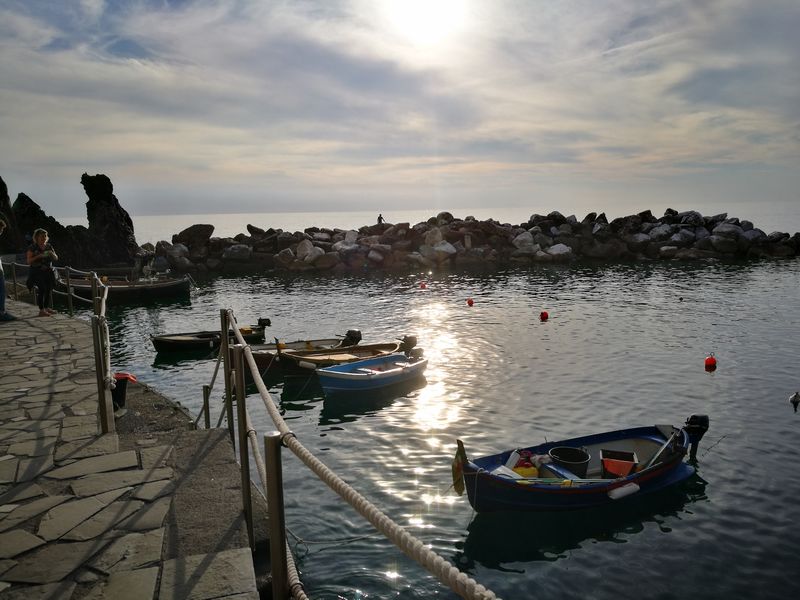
{"x": 40, "y": 259}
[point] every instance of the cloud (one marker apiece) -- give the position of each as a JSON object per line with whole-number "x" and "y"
{"x": 322, "y": 99}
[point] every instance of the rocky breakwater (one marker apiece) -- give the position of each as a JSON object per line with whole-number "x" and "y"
{"x": 444, "y": 240}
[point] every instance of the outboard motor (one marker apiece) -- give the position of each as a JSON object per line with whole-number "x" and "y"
{"x": 696, "y": 426}
{"x": 416, "y": 353}
{"x": 351, "y": 338}
{"x": 264, "y": 322}
{"x": 407, "y": 343}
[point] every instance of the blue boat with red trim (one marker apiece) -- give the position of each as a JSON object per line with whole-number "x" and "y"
{"x": 580, "y": 472}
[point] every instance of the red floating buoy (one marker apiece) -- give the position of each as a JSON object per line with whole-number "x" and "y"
{"x": 711, "y": 362}
{"x": 423, "y": 285}
{"x": 543, "y": 316}
{"x": 470, "y": 302}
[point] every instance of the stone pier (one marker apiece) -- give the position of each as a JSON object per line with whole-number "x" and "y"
{"x": 150, "y": 511}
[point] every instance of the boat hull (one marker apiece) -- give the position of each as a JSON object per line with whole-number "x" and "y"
{"x": 265, "y": 354}
{"x": 197, "y": 341}
{"x": 489, "y": 492}
{"x": 371, "y": 374}
{"x": 130, "y": 291}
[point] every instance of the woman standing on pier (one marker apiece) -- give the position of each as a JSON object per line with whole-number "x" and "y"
{"x": 40, "y": 258}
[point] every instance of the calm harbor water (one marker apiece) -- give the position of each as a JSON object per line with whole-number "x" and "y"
{"x": 624, "y": 346}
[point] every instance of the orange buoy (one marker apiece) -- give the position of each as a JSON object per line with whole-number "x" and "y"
{"x": 470, "y": 302}
{"x": 543, "y": 316}
{"x": 422, "y": 285}
{"x": 711, "y": 362}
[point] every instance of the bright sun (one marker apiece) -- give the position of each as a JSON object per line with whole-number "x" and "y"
{"x": 425, "y": 22}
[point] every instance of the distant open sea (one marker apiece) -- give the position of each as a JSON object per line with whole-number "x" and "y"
{"x": 152, "y": 228}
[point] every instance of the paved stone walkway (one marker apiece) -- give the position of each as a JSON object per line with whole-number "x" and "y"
{"x": 84, "y": 515}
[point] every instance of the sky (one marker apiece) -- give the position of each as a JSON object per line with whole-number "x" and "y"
{"x": 271, "y": 106}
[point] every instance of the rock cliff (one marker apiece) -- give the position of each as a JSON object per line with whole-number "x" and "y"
{"x": 109, "y": 239}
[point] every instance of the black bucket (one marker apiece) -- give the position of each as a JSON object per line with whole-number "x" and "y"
{"x": 119, "y": 393}
{"x": 574, "y": 459}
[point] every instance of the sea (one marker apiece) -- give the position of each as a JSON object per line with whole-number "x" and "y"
{"x": 624, "y": 346}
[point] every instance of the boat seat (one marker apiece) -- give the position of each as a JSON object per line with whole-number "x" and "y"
{"x": 335, "y": 356}
{"x": 557, "y": 471}
{"x": 368, "y": 371}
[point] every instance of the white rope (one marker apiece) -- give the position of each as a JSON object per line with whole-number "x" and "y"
{"x": 292, "y": 577}
{"x": 108, "y": 377}
{"x": 451, "y": 576}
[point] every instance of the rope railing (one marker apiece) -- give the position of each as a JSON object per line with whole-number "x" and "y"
{"x": 100, "y": 335}
{"x": 102, "y": 355}
{"x": 448, "y": 574}
{"x": 285, "y": 577}
{"x": 67, "y": 270}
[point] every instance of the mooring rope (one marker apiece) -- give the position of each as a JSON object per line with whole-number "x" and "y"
{"x": 448, "y": 574}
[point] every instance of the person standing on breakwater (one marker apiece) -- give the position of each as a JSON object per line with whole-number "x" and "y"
{"x": 380, "y": 219}
{"x": 40, "y": 259}
{"x": 4, "y": 316}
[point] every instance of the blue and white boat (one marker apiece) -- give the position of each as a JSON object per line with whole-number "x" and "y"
{"x": 372, "y": 373}
{"x": 580, "y": 472}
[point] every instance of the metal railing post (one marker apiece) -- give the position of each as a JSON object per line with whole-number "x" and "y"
{"x": 206, "y": 406}
{"x": 70, "y": 307}
{"x": 277, "y": 519}
{"x": 105, "y": 410}
{"x": 244, "y": 453}
{"x": 226, "y": 358}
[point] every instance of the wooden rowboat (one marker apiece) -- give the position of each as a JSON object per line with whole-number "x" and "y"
{"x": 265, "y": 354}
{"x": 206, "y": 340}
{"x": 309, "y": 360}
{"x": 580, "y": 472}
{"x": 371, "y": 374}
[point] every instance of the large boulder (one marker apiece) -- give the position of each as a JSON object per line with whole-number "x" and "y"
{"x": 312, "y": 256}
{"x": 661, "y": 232}
{"x": 560, "y": 252}
{"x": 523, "y": 241}
{"x": 682, "y": 238}
{"x": 237, "y": 253}
{"x": 444, "y": 250}
{"x": 613, "y": 248}
{"x": 728, "y": 230}
{"x": 723, "y": 244}
{"x": 304, "y": 249}
{"x": 327, "y": 261}
{"x": 691, "y": 217}
{"x": 194, "y": 236}
{"x": 754, "y": 235}
{"x": 433, "y": 237}
{"x": 637, "y": 242}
